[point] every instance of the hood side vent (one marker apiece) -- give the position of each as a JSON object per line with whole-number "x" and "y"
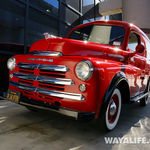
{"x": 46, "y": 53}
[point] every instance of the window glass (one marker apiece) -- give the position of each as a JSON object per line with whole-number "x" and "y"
{"x": 133, "y": 41}
{"x": 52, "y": 2}
{"x": 12, "y": 17}
{"x": 11, "y": 26}
{"x": 64, "y": 30}
{"x": 69, "y": 16}
{"x": 40, "y": 23}
{"x": 81, "y": 33}
{"x": 49, "y": 6}
{"x": 88, "y": 2}
{"x": 109, "y": 35}
{"x": 86, "y": 21}
{"x": 88, "y": 10}
{"x": 73, "y": 3}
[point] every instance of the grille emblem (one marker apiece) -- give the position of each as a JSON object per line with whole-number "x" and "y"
{"x": 38, "y": 59}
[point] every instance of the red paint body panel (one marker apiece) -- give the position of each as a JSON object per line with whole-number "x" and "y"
{"x": 107, "y": 61}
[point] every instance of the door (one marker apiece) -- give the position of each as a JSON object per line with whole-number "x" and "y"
{"x": 138, "y": 63}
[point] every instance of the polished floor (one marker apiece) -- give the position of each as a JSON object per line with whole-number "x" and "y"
{"x": 21, "y": 129}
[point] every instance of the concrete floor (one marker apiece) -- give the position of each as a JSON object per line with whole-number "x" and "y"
{"x": 21, "y": 129}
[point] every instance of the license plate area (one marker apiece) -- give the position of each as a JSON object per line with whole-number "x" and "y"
{"x": 13, "y": 96}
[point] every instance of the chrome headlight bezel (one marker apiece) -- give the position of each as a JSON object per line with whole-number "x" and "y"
{"x": 11, "y": 63}
{"x": 84, "y": 70}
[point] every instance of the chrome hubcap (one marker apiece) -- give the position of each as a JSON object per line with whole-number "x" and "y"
{"x": 113, "y": 108}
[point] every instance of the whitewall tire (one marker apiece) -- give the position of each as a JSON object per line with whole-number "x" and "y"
{"x": 110, "y": 119}
{"x": 113, "y": 110}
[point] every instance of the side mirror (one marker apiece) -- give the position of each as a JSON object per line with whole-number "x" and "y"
{"x": 140, "y": 48}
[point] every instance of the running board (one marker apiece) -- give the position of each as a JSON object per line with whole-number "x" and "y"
{"x": 139, "y": 97}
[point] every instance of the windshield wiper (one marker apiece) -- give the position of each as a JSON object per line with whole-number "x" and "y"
{"x": 119, "y": 37}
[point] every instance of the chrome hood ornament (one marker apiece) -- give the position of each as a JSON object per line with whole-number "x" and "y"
{"x": 48, "y": 36}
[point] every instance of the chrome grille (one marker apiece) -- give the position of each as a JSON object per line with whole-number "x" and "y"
{"x": 42, "y": 79}
{"x": 48, "y": 76}
{"x": 47, "y": 80}
{"x": 53, "y": 68}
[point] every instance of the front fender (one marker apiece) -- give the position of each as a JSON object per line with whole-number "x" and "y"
{"x": 119, "y": 81}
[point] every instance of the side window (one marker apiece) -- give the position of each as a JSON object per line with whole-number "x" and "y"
{"x": 134, "y": 40}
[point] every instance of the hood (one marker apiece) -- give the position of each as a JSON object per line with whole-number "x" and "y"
{"x": 69, "y": 47}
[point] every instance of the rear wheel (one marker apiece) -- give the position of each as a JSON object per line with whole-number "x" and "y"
{"x": 111, "y": 117}
{"x": 144, "y": 101}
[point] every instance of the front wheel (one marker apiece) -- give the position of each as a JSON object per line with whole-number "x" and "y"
{"x": 111, "y": 117}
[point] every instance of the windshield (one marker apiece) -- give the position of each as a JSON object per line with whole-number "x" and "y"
{"x": 102, "y": 34}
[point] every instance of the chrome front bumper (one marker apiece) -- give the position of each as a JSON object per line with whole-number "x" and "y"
{"x": 69, "y": 113}
{"x": 80, "y": 116}
{"x": 43, "y": 91}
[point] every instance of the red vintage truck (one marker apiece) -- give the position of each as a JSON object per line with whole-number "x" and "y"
{"x": 88, "y": 75}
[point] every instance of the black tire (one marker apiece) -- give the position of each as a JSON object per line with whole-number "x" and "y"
{"x": 144, "y": 101}
{"x": 112, "y": 114}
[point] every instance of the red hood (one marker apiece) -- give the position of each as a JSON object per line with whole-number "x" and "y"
{"x": 70, "y": 47}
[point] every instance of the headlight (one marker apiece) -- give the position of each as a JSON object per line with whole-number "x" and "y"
{"x": 11, "y": 63}
{"x": 84, "y": 70}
